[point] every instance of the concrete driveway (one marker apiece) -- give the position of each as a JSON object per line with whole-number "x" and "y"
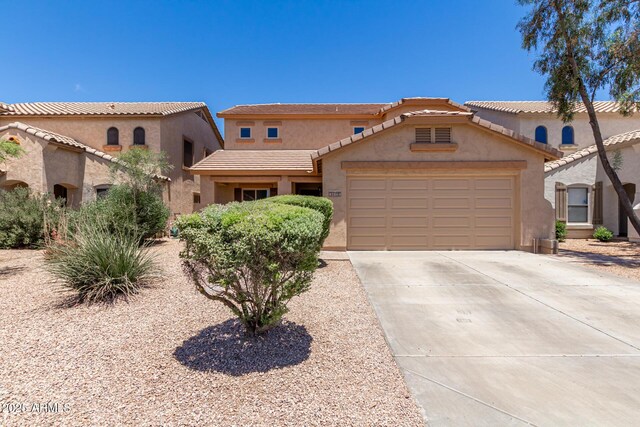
{"x": 509, "y": 338}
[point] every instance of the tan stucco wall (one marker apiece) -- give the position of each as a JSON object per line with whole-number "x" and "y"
{"x": 475, "y": 144}
{"x": 44, "y": 165}
{"x": 525, "y": 124}
{"x": 161, "y": 133}
{"x": 173, "y": 130}
{"x": 301, "y": 134}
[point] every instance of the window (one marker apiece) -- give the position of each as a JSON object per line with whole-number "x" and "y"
{"x": 187, "y": 153}
{"x": 541, "y": 134}
{"x": 273, "y": 133}
{"x": 578, "y": 203}
{"x": 567, "y": 135}
{"x": 358, "y": 129}
{"x": 245, "y": 133}
{"x": 443, "y": 135}
{"x": 102, "y": 191}
{"x": 196, "y": 198}
{"x": 60, "y": 192}
{"x": 423, "y": 135}
{"x": 249, "y": 194}
{"x": 113, "y": 137}
{"x": 138, "y": 136}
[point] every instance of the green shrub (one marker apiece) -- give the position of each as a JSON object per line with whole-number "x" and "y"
{"x": 24, "y": 218}
{"x": 602, "y": 234}
{"x": 99, "y": 265}
{"x": 253, "y": 257}
{"x": 319, "y": 204}
{"x": 123, "y": 209}
{"x": 561, "y": 231}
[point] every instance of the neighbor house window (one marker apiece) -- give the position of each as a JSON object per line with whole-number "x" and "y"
{"x": 273, "y": 133}
{"x": 138, "y": 136}
{"x": 102, "y": 191}
{"x": 187, "y": 153}
{"x": 245, "y": 133}
{"x": 249, "y": 194}
{"x": 196, "y": 198}
{"x": 358, "y": 129}
{"x": 113, "y": 137}
{"x": 541, "y": 134}
{"x": 578, "y": 203}
{"x": 60, "y": 192}
{"x": 567, "y": 135}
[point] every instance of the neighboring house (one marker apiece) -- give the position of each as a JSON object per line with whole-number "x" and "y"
{"x": 576, "y": 185}
{"x": 69, "y": 145}
{"x": 420, "y": 173}
{"x": 581, "y": 193}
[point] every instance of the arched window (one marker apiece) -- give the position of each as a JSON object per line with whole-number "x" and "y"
{"x": 567, "y": 135}
{"x": 113, "y": 137}
{"x": 138, "y": 136}
{"x": 541, "y": 134}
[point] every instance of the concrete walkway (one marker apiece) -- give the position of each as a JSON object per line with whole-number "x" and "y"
{"x": 509, "y": 338}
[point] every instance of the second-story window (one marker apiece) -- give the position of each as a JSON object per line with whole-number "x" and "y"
{"x": 113, "y": 137}
{"x": 245, "y": 133}
{"x": 138, "y": 136}
{"x": 273, "y": 133}
{"x": 358, "y": 129}
{"x": 567, "y": 135}
{"x": 187, "y": 153}
{"x": 541, "y": 134}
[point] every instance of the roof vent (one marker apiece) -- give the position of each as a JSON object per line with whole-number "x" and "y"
{"x": 423, "y": 135}
{"x": 443, "y": 135}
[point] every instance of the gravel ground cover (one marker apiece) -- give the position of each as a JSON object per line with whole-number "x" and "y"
{"x": 621, "y": 258}
{"x": 169, "y": 356}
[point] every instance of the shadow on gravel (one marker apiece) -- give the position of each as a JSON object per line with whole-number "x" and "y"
{"x": 625, "y": 260}
{"x": 10, "y": 271}
{"x": 226, "y": 348}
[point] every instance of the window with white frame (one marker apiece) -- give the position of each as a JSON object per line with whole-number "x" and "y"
{"x": 245, "y": 133}
{"x": 578, "y": 205}
{"x": 273, "y": 133}
{"x": 250, "y": 194}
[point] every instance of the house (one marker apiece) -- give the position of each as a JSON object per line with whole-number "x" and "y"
{"x": 419, "y": 173}
{"x": 69, "y": 145}
{"x": 576, "y": 185}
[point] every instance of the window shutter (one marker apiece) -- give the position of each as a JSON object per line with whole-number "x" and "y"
{"x": 597, "y": 203}
{"x": 237, "y": 194}
{"x": 423, "y": 135}
{"x": 443, "y": 135}
{"x": 561, "y": 202}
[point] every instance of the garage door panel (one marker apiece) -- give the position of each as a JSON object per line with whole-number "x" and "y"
{"x": 406, "y": 213}
{"x": 451, "y": 202}
{"x": 493, "y": 202}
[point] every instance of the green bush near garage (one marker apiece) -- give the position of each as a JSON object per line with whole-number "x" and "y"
{"x": 319, "y": 204}
{"x": 561, "y": 231}
{"x": 253, "y": 257}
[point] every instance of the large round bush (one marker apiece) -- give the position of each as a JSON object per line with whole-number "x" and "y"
{"x": 319, "y": 204}
{"x": 253, "y": 257}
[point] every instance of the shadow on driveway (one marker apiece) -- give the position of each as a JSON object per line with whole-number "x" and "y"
{"x": 228, "y": 349}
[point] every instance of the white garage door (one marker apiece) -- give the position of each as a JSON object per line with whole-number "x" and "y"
{"x": 438, "y": 212}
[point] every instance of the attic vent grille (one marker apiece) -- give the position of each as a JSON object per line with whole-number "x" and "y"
{"x": 423, "y": 135}
{"x": 443, "y": 135}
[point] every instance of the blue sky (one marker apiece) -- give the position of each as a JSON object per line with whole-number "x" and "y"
{"x": 234, "y": 52}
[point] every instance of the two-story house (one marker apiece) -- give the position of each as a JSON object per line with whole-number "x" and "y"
{"x": 69, "y": 145}
{"x": 420, "y": 173}
{"x": 576, "y": 185}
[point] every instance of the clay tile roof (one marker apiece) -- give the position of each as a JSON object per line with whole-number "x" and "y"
{"x": 225, "y": 161}
{"x": 5, "y": 107}
{"x": 517, "y": 107}
{"x": 548, "y": 150}
{"x": 424, "y": 100}
{"x": 612, "y": 141}
{"x": 98, "y": 108}
{"x": 286, "y": 109}
{"x": 64, "y": 140}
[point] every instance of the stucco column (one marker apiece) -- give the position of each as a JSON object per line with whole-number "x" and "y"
{"x": 284, "y": 185}
{"x": 633, "y": 234}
